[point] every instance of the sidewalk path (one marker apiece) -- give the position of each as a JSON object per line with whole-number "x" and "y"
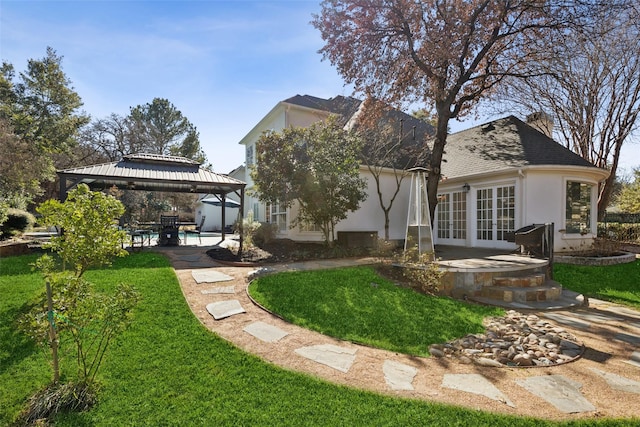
{"x": 605, "y": 382}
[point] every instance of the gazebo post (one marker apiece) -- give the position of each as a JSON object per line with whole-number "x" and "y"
{"x": 224, "y": 216}
{"x": 241, "y": 219}
{"x": 63, "y": 188}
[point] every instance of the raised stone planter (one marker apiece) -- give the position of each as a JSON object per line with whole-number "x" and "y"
{"x": 620, "y": 258}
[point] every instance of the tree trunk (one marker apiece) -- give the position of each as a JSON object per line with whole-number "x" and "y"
{"x": 436, "y": 159}
{"x": 386, "y": 225}
{"x": 604, "y": 195}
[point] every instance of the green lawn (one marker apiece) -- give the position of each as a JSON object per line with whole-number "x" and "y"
{"x": 358, "y": 305}
{"x": 167, "y": 369}
{"x": 617, "y": 283}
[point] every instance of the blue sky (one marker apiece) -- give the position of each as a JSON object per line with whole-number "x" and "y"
{"x": 223, "y": 64}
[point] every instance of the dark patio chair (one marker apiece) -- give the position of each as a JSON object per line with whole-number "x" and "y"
{"x": 168, "y": 235}
{"x": 197, "y": 230}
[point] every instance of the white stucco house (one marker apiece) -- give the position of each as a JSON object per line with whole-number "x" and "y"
{"x": 496, "y": 178}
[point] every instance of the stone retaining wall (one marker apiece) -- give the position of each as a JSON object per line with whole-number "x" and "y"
{"x": 623, "y": 258}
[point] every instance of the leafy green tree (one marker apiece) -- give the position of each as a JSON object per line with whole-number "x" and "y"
{"x": 89, "y": 220}
{"x": 72, "y": 318}
{"x": 157, "y": 128}
{"x": 41, "y": 116}
{"x": 160, "y": 128}
{"x": 316, "y": 167}
{"x": 18, "y": 182}
{"x": 629, "y": 198}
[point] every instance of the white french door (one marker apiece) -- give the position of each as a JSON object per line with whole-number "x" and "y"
{"x": 495, "y": 215}
{"x": 452, "y": 218}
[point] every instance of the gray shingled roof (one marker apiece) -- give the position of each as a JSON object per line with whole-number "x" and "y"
{"x": 503, "y": 144}
{"x": 152, "y": 172}
{"x": 344, "y": 107}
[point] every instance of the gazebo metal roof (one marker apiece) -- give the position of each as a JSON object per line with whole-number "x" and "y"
{"x": 153, "y": 172}
{"x": 150, "y": 172}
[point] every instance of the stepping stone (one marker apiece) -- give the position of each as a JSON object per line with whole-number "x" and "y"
{"x": 628, "y": 338}
{"x": 265, "y": 332}
{"x": 476, "y": 384}
{"x": 209, "y": 276}
{"x": 560, "y": 391}
{"x": 336, "y": 357}
{"x": 619, "y": 383}
{"x": 221, "y": 309}
{"x": 635, "y": 359}
{"x": 567, "y": 320}
{"x": 398, "y": 375}
{"x": 220, "y": 290}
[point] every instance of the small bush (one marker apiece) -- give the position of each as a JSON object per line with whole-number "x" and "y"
{"x": 425, "y": 274}
{"x": 56, "y": 398}
{"x": 265, "y": 233}
{"x": 622, "y": 232}
{"x": 386, "y": 249}
{"x": 17, "y": 222}
{"x": 4, "y": 209}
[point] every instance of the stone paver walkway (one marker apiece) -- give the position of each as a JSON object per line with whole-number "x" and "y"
{"x": 590, "y": 386}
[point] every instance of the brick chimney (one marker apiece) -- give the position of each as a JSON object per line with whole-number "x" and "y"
{"x": 542, "y": 122}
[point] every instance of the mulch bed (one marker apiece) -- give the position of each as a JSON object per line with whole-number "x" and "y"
{"x": 280, "y": 250}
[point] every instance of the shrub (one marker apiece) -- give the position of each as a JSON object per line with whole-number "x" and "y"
{"x": 249, "y": 228}
{"x": 17, "y": 222}
{"x": 265, "y": 233}
{"x": 622, "y": 232}
{"x": 4, "y": 209}
{"x": 426, "y": 274}
{"x": 56, "y": 398}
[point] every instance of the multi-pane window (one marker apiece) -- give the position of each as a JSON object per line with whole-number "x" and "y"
{"x": 249, "y": 155}
{"x": 277, "y": 214}
{"x": 309, "y": 227}
{"x": 506, "y": 211}
{"x": 452, "y": 215}
{"x": 578, "y": 209}
{"x": 444, "y": 216}
{"x": 459, "y": 214}
{"x": 484, "y": 208}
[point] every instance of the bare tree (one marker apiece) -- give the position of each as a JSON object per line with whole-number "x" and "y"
{"x": 590, "y": 85}
{"x": 391, "y": 148}
{"x": 443, "y": 54}
{"x": 111, "y": 137}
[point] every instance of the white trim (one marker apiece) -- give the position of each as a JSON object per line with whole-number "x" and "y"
{"x": 472, "y": 215}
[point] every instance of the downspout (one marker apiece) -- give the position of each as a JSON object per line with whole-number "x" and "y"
{"x": 522, "y": 198}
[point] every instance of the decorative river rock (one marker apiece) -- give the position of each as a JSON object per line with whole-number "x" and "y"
{"x": 515, "y": 340}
